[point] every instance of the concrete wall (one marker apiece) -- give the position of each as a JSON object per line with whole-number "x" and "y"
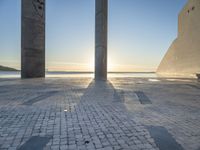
{"x": 183, "y": 56}
{"x": 33, "y": 38}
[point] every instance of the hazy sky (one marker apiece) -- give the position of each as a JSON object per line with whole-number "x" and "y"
{"x": 140, "y": 32}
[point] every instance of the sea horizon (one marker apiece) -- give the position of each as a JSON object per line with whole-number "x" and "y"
{"x": 50, "y": 74}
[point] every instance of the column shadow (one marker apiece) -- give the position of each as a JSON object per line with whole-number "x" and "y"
{"x": 101, "y": 92}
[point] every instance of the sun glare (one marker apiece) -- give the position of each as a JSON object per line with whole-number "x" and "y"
{"x": 110, "y": 64}
{"x": 91, "y": 64}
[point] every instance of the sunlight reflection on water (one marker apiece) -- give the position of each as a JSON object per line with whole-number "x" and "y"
{"x": 16, "y": 74}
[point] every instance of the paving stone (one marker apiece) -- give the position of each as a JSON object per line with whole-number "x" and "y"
{"x": 79, "y": 113}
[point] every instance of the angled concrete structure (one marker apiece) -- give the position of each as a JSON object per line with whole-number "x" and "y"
{"x": 183, "y": 56}
{"x": 33, "y": 38}
{"x": 101, "y": 25}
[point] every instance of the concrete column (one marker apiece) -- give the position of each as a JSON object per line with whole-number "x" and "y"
{"x": 101, "y": 25}
{"x": 33, "y": 38}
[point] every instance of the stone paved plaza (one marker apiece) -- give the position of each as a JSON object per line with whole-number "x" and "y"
{"x": 81, "y": 114}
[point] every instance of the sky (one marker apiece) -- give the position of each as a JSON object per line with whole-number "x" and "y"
{"x": 139, "y": 33}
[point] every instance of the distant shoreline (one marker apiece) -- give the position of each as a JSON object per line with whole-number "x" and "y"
{"x": 3, "y": 68}
{"x": 90, "y": 72}
{"x": 81, "y": 72}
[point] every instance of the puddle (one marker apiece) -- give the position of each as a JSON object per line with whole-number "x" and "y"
{"x": 143, "y": 98}
{"x": 154, "y": 80}
{"x": 163, "y": 138}
{"x": 181, "y": 80}
{"x": 40, "y": 98}
{"x": 35, "y": 143}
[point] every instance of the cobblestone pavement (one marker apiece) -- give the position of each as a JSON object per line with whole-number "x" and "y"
{"x": 81, "y": 114}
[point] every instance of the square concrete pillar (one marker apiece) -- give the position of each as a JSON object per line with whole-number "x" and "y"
{"x": 33, "y": 38}
{"x": 101, "y": 25}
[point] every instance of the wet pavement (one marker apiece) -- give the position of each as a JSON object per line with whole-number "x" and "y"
{"x": 81, "y": 114}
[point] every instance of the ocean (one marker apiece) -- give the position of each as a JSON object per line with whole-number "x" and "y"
{"x": 16, "y": 74}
